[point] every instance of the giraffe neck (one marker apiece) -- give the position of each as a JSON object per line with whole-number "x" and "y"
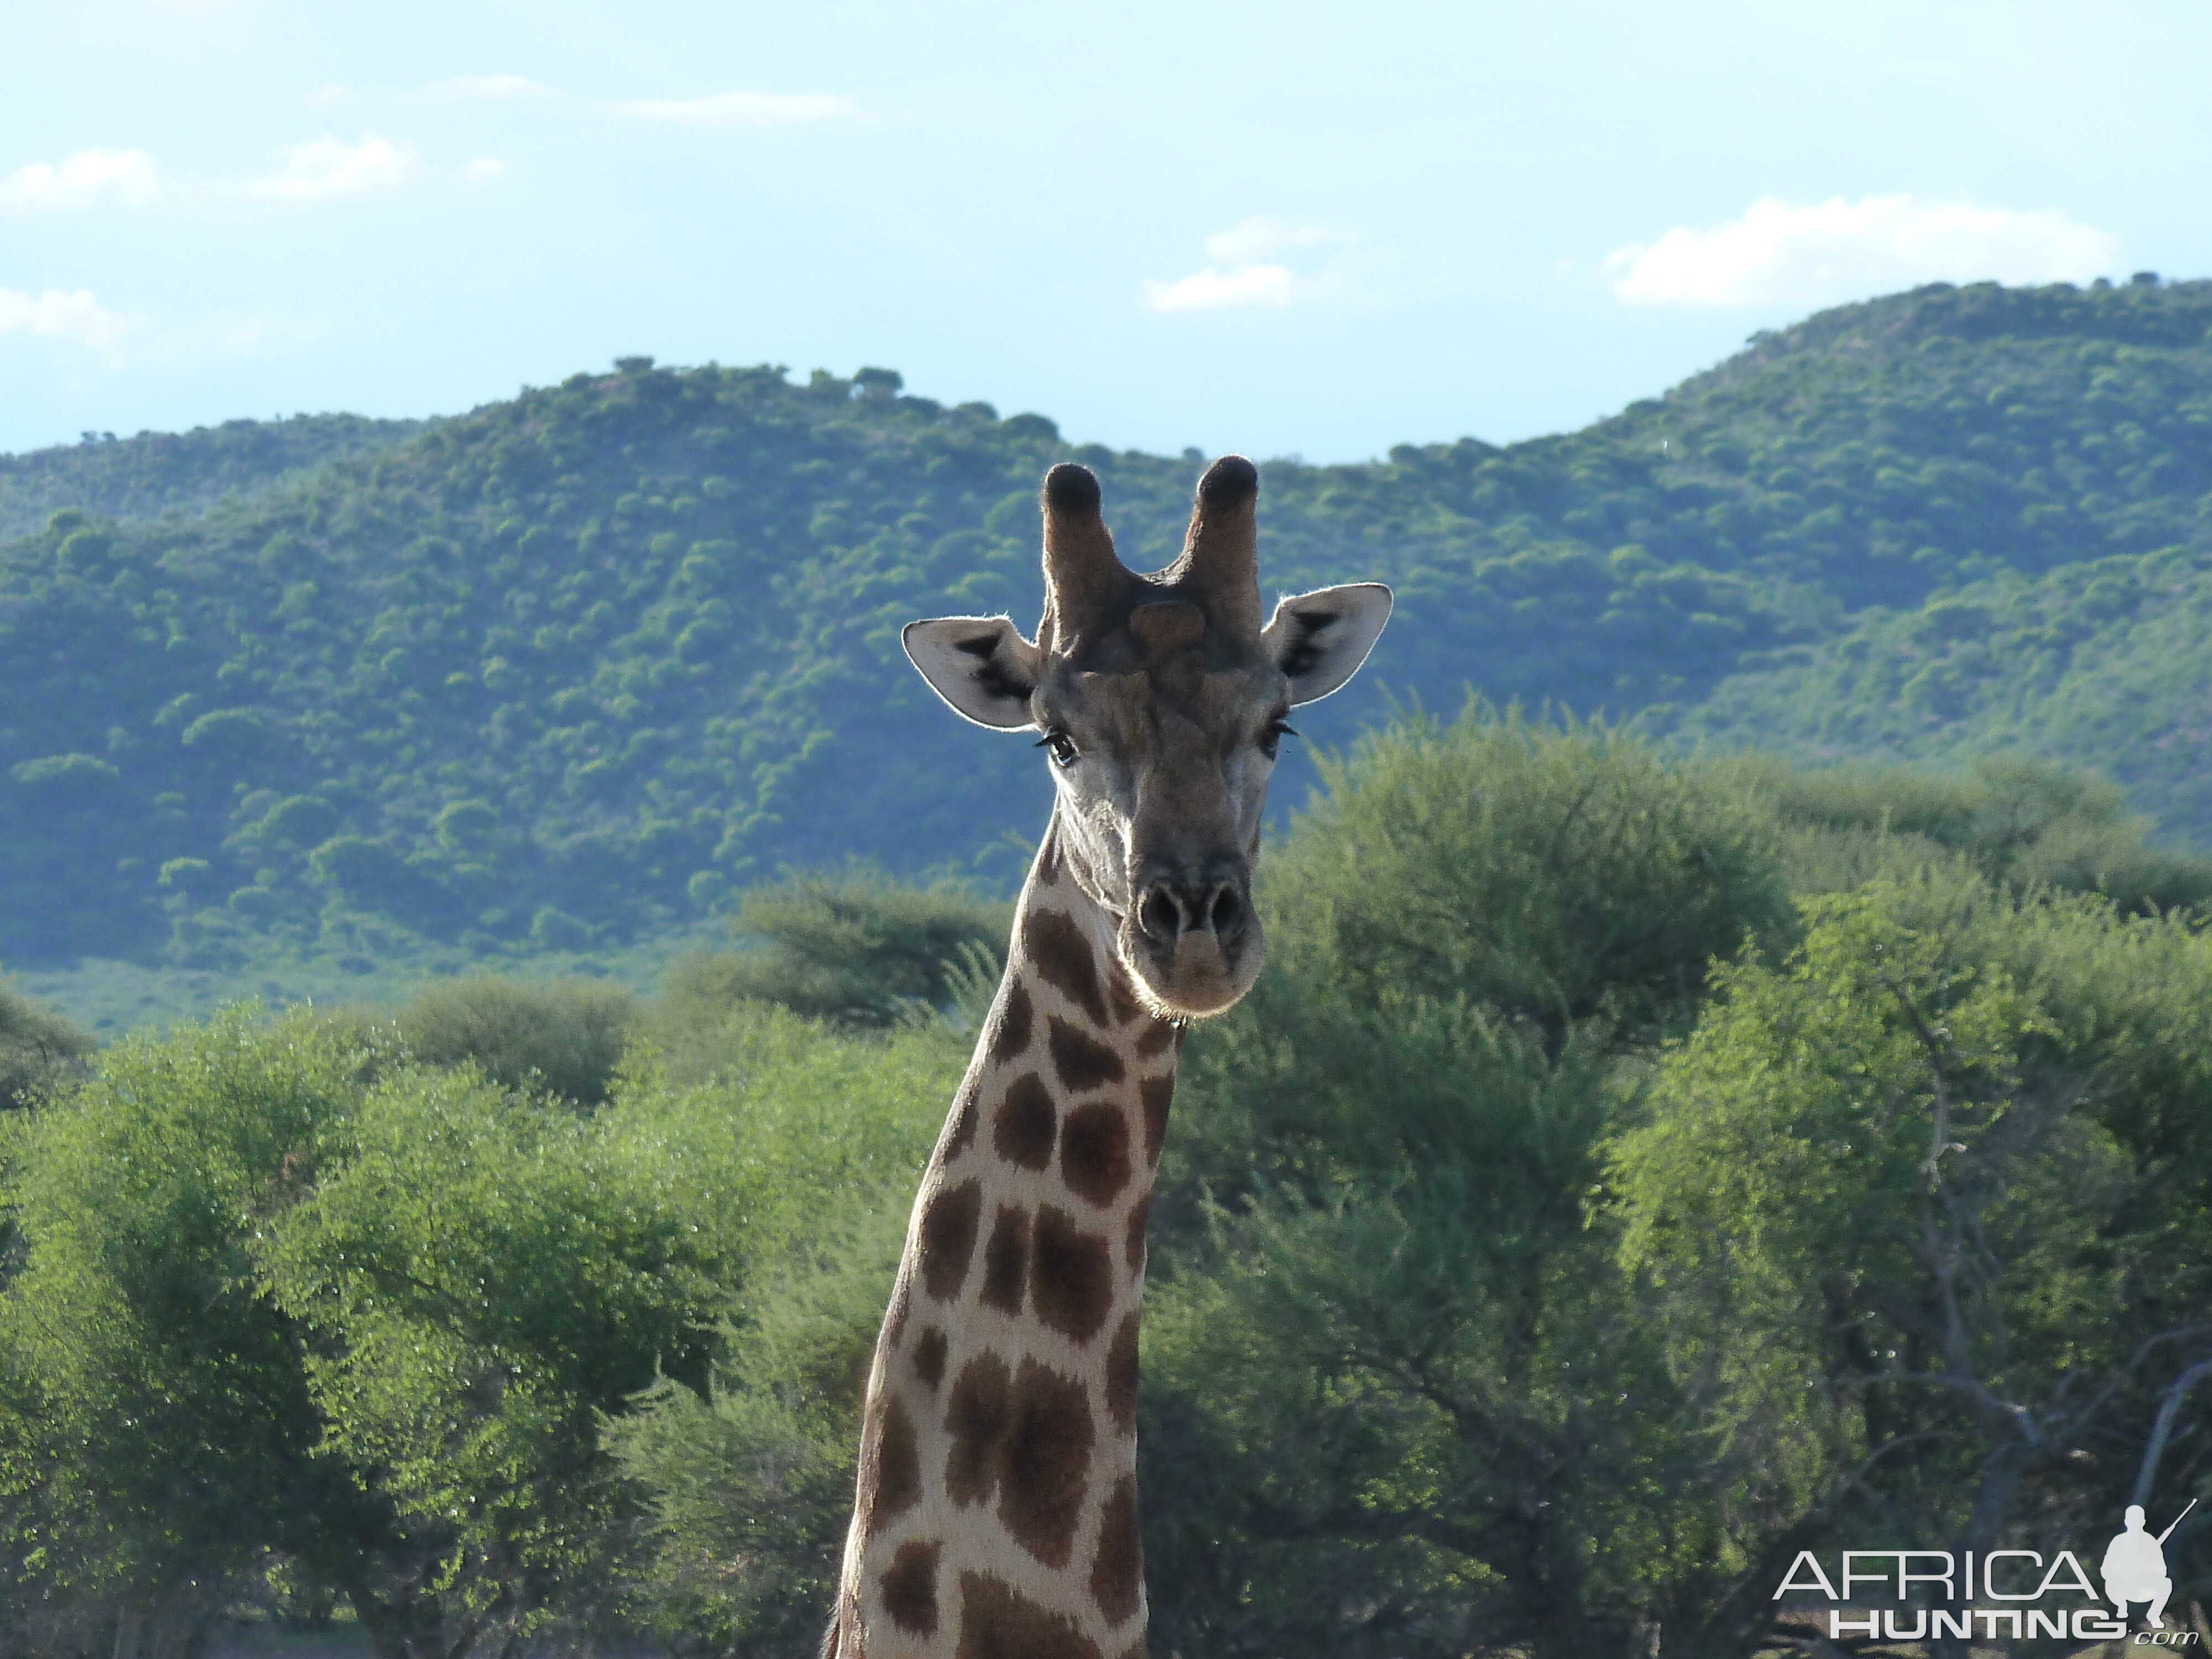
{"x": 996, "y": 1511}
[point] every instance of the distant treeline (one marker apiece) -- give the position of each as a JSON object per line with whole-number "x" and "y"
{"x": 1629, "y": 1172}
{"x": 570, "y": 670}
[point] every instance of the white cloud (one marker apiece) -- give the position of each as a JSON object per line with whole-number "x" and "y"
{"x": 323, "y": 167}
{"x": 1779, "y": 253}
{"x": 89, "y": 179}
{"x": 319, "y": 170}
{"x": 1256, "y": 263}
{"x": 738, "y": 109}
{"x": 1209, "y": 289}
{"x": 1261, "y": 237}
{"x": 73, "y": 314}
{"x": 326, "y": 167}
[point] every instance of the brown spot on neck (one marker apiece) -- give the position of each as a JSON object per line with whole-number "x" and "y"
{"x": 929, "y": 1353}
{"x": 1094, "y": 1152}
{"x": 1125, "y": 1007}
{"x": 1117, "y": 1569}
{"x": 1082, "y": 1061}
{"x": 997, "y": 1621}
{"x": 947, "y": 1238}
{"x": 910, "y": 1588}
{"x": 1160, "y": 1036}
{"x": 975, "y": 1418}
{"x": 1065, "y": 959}
{"x": 1006, "y": 1258}
{"x": 1046, "y": 1460}
{"x": 1008, "y": 1034}
{"x": 1071, "y": 1274}
{"x": 1025, "y": 1123}
{"x": 897, "y": 1486}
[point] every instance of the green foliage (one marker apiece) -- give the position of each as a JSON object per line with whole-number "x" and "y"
{"x": 854, "y": 948}
{"x": 1374, "y": 1212}
{"x": 562, "y": 674}
{"x": 749, "y": 1488}
{"x": 298, "y": 1317}
{"x": 796, "y": 1147}
{"x": 1922, "y": 1209}
{"x": 2092, "y": 664}
{"x": 564, "y": 1038}
{"x": 1554, "y": 873}
{"x": 39, "y": 1049}
{"x": 2013, "y": 819}
{"x": 161, "y": 1436}
{"x": 158, "y": 472}
{"x": 1631, "y": 1169}
{"x": 483, "y": 1275}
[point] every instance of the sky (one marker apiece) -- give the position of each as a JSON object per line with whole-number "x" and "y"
{"x": 1281, "y": 228}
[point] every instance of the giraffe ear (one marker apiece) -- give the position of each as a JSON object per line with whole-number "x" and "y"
{"x": 1321, "y": 638}
{"x": 980, "y": 664}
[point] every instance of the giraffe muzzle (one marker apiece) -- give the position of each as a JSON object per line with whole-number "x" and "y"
{"x": 1168, "y": 912}
{"x": 1194, "y": 942}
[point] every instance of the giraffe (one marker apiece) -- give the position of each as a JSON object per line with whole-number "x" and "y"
{"x": 995, "y": 1514}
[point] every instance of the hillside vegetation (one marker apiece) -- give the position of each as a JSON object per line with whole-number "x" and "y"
{"x": 1535, "y": 1290}
{"x": 2106, "y": 663}
{"x": 163, "y": 472}
{"x": 568, "y": 672}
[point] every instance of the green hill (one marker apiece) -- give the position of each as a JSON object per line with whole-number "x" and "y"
{"x": 160, "y": 472}
{"x": 2103, "y": 665}
{"x": 560, "y": 673}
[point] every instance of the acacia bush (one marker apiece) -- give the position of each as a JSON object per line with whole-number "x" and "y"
{"x": 39, "y": 1049}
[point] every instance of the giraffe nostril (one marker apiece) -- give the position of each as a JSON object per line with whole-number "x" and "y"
{"x": 1160, "y": 916}
{"x": 1221, "y": 915}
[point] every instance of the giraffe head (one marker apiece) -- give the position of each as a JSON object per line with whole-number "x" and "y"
{"x": 1160, "y": 702}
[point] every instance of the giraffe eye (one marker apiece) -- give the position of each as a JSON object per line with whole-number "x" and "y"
{"x": 1060, "y": 747}
{"x": 1271, "y": 740}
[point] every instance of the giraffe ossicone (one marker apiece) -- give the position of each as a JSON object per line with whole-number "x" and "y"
{"x": 995, "y": 1516}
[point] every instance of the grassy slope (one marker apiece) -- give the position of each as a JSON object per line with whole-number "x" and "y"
{"x": 555, "y": 675}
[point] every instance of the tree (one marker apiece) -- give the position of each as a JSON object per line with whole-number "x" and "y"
{"x": 39, "y": 1048}
{"x": 794, "y": 1147}
{"x": 854, "y": 948}
{"x": 1923, "y": 1208}
{"x": 162, "y": 1440}
{"x": 1377, "y": 1239}
{"x": 482, "y": 1277}
{"x": 564, "y": 1037}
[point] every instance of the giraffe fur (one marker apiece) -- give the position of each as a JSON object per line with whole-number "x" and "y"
{"x": 996, "y": 1513}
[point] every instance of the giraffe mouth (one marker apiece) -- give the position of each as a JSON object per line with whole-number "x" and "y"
{"x": 1191, "y": 973}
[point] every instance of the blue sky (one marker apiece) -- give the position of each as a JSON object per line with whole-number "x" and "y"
{"x": 1281, "y": 228}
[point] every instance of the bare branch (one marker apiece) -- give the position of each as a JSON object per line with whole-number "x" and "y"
{"x": 2169, "y": 1407}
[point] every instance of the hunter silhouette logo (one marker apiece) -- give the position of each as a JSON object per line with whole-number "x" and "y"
{"x": 1935, "y": 1593}
{"x": 2135, "y": 1566}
